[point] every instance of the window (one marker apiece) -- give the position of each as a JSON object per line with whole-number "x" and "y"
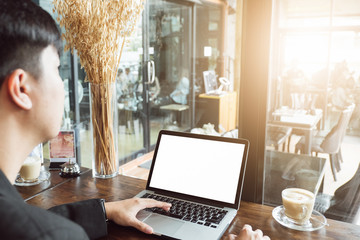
{"x": 313, "y": 121}
{"x": 177, "y": 41}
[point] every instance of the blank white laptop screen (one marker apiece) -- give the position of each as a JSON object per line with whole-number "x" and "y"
{"x": 198, "y": 167}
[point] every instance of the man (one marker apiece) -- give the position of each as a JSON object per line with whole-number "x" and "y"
{"x": 129, "y": 76}
{"x": 179, "y": 95}
{"x": 120, "y": 83}
{"x": 31, "y": 106}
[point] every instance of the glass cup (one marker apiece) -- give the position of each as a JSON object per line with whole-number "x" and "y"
{"x": 30, "y": 170}
{"x": 298, "y": 205}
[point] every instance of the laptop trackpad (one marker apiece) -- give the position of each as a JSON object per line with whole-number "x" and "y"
{"x": 163, "y": 225}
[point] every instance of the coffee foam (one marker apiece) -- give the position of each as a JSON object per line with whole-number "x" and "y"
{"x": 298, "y": 196}
{"x": 31, "y": 160}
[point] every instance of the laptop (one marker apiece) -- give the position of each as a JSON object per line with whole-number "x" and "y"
{"x": 202, "y": 177}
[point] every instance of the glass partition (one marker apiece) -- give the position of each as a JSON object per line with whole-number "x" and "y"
{"x": 313, "y": 112}
{"x": 170, "y": 49}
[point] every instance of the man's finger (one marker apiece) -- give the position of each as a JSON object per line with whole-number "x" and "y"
{"x": 150, "y": 203}
{"x": 247, "y": 226}
{"x": 231, "y": 237}
{"x": 259, "y": 233}
{"x": 246, "y": 232}
{"x": 142, "y": 227}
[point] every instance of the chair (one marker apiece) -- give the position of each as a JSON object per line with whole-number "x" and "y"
{"x": 303, "y": 100}
{"x": 277, "y": 135}
{"x": 323, "y": 133}
{"x": 331, "y": 143}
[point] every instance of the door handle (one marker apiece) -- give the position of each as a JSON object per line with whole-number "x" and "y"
{"x": 151, "y": 75}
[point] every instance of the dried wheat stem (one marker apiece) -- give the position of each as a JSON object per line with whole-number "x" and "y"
{"x": 97, "y": 29}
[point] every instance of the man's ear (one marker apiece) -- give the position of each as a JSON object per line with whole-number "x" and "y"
{"x": 18, "y": 86}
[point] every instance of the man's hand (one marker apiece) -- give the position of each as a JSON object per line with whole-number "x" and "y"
{"x": 124, "y": 212}
{"x": 248, "y": 234}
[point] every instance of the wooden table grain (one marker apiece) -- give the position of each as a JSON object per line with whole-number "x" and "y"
{"x": 123, "y": 187}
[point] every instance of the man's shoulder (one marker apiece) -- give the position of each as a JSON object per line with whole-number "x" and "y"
{"x": 23, "y": 221}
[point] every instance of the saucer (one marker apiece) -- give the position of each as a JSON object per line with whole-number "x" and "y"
{"x": 43, "y": 177}
{"x": 317, "y": 220}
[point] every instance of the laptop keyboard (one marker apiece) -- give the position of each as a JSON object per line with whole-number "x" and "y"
{"x": 188, "y": 211}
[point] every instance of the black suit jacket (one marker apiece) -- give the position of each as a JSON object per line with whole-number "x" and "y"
{"x": 18, "y": 220}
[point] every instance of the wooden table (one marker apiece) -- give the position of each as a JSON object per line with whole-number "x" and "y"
{"x": 175, "y": 109}
{"x": 123, "y": 187}
{"x": 298, "y": 119}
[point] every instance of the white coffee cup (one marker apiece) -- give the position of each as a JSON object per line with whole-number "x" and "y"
{"x": 30, "y": 170}
{"x": 298, "y": 205}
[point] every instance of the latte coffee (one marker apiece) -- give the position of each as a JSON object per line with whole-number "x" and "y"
{"x": 298, "y": 204}
{"x": 30, "y": 170}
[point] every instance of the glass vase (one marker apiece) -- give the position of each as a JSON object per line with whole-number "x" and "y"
{"x": 103, "y": 110}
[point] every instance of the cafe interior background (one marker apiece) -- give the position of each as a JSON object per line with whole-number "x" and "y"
{"x": 294, "y": 73}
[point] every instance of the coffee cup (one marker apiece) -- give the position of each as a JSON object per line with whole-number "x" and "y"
{"x": 298, "y": 205}
{"x": 30, "y": 170}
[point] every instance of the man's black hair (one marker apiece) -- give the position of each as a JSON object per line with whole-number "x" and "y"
{"x": 25, "y": 30}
